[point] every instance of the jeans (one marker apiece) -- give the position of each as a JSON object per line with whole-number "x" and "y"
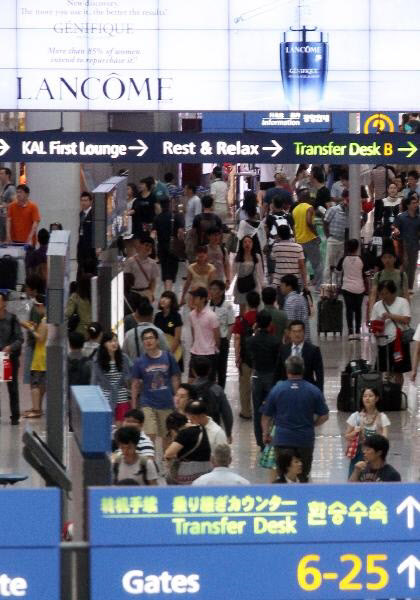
{"x": 261, "y": 385}
{"x": 222, "y": 360}
{"x": 353, "y": 304}
{"x": 312, "y": 253}
{"x": 13, "y": 389}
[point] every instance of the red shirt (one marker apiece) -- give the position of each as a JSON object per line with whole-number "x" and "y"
{"x": 250, "y": 316}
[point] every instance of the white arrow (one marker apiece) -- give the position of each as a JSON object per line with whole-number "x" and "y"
{"x": 410, "y": 504}
{"x": 277, "y": 148}
{"x": 412, "y": 564}
{"x": 142, "y": 148}
{"x": 3, "y": 147}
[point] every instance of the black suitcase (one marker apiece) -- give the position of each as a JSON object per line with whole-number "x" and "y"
{"x": 8, "y": 272}
{"x": 347, "y": 399}
{"x": 330, "y": 316}
{"x": 392, "y": 398}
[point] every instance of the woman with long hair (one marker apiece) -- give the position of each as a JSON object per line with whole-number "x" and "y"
{"x": 353, "y": 286}
{"x": 363, "y": 423}
{"x": 169, "y": 321}
{"x": 248, "y": 268}
{"x": 111, "y": 371}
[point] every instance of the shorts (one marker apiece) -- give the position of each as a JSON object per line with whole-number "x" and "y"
{"x": 155, "y": 420}
{"x": 38, "y": 378}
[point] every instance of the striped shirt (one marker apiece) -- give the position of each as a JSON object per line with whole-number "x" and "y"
{"x": 337, "y": 218}
{"x": 296, "y": 308}
{"x": 286, "y": 255}
{"x": 114, "y": 377}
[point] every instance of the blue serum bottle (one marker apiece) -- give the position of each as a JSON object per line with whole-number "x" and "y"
{"x": 304, "y": 66}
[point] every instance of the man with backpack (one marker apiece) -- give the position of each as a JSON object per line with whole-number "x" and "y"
{"x": 11, "y": 340}
{"x": 243, "y": 329}
{"x": 206, "y": 220}
{"x": 78, "y": 365}
{"x": 278, "y": 217}
{"x": 213, "y": 397}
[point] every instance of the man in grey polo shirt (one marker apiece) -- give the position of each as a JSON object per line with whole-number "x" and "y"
{"x": 133, "y": 344}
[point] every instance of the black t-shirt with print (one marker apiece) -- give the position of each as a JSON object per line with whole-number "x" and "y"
{"x": 169, "y": 323}
{"x": 385, "y": 473}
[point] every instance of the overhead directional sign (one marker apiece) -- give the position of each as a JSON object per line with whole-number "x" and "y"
{"x": 29, "y": 544}
{"x": 327, "y": 542}
{"x": 203, "y": 147}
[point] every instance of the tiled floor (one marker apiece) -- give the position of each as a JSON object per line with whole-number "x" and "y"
{"x": 330, "y": 464}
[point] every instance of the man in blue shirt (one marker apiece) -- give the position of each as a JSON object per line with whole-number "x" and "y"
{"x": 296, "y": 407}
{"x": 156, "y": 376}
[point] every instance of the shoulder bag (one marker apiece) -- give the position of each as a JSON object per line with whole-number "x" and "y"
{"x": 247, "y": 283}
{"x": 407, "y": 334}
{"x": 172, "y": 476}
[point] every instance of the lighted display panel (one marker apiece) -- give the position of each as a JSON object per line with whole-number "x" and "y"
{"x": 209, "y": 54}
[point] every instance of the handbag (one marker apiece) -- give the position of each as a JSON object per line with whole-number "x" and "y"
{"x": 247, "y": 283}
{"x": 172, "y": 476}
{"x": 178, "y": 352}
{"x": 407, "y": 334}
{"x": 353, "y": 444}
{"x": 73, "y": 321}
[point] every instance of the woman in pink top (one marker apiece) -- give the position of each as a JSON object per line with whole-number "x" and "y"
{"x": 353, "y": 286}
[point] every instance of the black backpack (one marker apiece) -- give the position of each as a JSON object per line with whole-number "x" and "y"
{"x": 207, "y": 221}
{"x": 79, "y": 371}
{"x": 208, "y": 396}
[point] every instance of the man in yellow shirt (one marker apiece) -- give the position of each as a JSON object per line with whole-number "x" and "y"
{"x": 306, "y": 235}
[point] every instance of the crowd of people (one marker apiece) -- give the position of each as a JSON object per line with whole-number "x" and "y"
{"x": 249, "y": 289}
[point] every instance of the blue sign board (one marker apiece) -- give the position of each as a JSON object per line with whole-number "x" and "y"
{"x": 285, "y": 121}
{"x": 344, "y": 541}
{"x": 29, "y": 550}
{"x": 261, "y": 147}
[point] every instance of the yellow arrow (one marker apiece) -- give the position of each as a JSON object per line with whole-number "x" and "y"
{"x": 411, "y": 150}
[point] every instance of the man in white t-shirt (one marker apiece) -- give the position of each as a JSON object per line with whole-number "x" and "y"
{"x": 193, "y": 204}
{"x": 219, "y": 189}
{"x": 221, "y": 458}
{"x": 196, "y": 412}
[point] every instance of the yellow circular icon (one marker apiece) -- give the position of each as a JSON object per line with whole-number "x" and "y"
{"x": 379, "y": 122}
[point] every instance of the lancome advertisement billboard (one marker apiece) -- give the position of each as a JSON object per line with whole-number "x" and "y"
{"x": 209, "y": 55}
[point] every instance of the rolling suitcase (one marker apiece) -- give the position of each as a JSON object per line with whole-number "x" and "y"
{"x": 330, "y": 316}
{"x": 8, "y": 272}
{"x": 12, "y": 265}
